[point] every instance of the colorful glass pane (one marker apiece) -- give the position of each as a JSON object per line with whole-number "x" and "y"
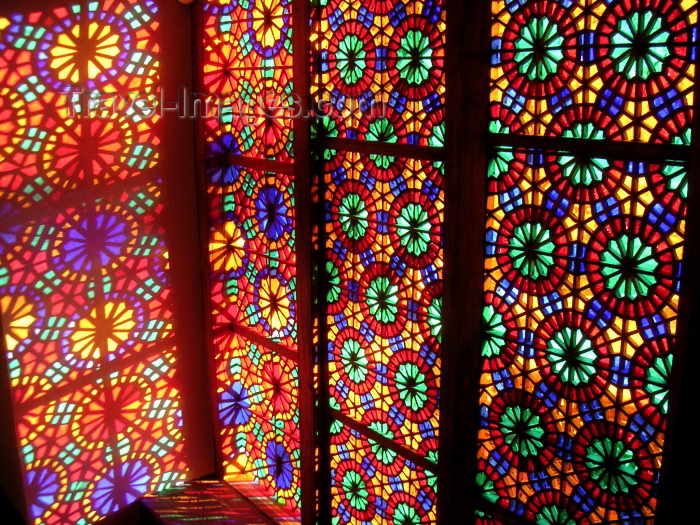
{"x": 247, "y": 73}
{"x": 247, "y": 66}
{"x": 484, "y": 519}
{"x": 379, "y": 73}
{"x": 594, "y": 69}
{"x": 259, "y": 417}
{"x": 583, "y": 258}
{"x": 252, "y": 251}
{"x": 373, "y": 484}
{"x": 378, "y": 76}
{"x": 383, "y": 243}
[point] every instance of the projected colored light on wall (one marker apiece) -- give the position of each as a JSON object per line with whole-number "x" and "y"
{"x": 84, "y": 274}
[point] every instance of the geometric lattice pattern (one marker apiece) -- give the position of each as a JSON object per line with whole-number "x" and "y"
{"x": 616, "y": 69}
{"x": 247, "y": 69}
{"x": 84, "y": 286}
{"x": 46, "y": 85}
{"x": 251, "y": 250}
{"x": 384, "y": 218}
{"x": 383, "y": 243}
{"x": 247, "y": 65}
{"x": 259, "y": 417}
{"x": 373, "y": 484}
{"x": 583, "y": 259}
{"x": 378, "y": 76}
{"x": 379, "y": 71}
{"x": 583, "y": 256}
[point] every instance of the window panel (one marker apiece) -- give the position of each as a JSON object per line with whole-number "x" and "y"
{"x": 380, "y": 70}
{"x": 592, "y": 69}
{"x": 383, "y": 243}
{"x": 372, "y": 484}
{"x": 246, "y": 73}
{"x": 247, "y": 67}
{"x": 259, "y": 416}
{"x": 583, "y": 256}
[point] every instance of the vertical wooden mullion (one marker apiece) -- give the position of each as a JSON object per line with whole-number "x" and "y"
{"x": 467, "y": 101}
{"x": 676, "y": 493}
{"x": 204, "y": 233}
{"x": 11, "y": 462}
{"x": 303, "y": 202}
{"x": 323, "y": 408}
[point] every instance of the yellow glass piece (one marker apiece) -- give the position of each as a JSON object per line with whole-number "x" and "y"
{"x": 274, "y": 302}
{"x": 225, "y": 248}
{"x": 266, "y": 21}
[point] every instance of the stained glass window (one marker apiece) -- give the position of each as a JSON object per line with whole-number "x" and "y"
{"x": 375, "y": 484}
{"x": 85, "y": 291}
{"x": 247, "y": 65}
{"x": 380, "y": 76}
{"x": 381, "y": 69}
{"x": 625, "y": 69}
{"x": 377, "y": 77}
{"x": 583, "y": 255}
{"x": 383, "y": 244}
{"x": 589, "y": 126}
